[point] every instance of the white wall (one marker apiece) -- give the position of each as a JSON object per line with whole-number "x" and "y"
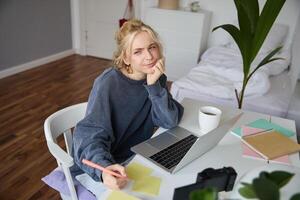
{"x": 295, "y": 53}
{"x": 224, "y": 12}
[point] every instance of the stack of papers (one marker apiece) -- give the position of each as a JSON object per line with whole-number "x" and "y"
{"x": 257, "y": 126}
{"x": 263, "y": 124}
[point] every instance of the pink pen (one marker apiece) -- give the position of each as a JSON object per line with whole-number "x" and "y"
{"x": 97, "y": 166}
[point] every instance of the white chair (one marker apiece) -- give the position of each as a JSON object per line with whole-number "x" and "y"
{"x": 61, "y": 122}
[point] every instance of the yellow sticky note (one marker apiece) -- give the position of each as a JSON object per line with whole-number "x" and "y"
{"x": 117, "y": 195}
{"x": 149, "y": 185}
{"x": 136, "y": 171}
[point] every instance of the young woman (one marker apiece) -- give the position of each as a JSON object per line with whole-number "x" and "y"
{"x": 125, "y": 105}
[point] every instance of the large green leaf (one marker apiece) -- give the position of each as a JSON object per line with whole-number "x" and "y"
{"x": 245, "y": 33}
{"x": 281, "y": 178}
{"x": 263, "y": 174}
{"x": 243, "y": 17}
{"x": 265, "y": 61}
{"x": 204, "y": 194}
{"x": 269, "y": 56}
{"x": 265, "y": 189}
{"x": 232, "y": 30}
{"x": 251, "y": 7}
{"x": 295, "y": 197}
{"x": 247, "y": 191}
{"x": 265, "y": 21}
{"x": 236, "y": 35}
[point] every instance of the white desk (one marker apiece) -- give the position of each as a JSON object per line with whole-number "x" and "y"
{"x": 227, "y": 153}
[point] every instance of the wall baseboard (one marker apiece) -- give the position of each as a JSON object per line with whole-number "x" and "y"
{"x": 35, "y": 63}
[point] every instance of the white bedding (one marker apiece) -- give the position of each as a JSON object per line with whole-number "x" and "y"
{"x": 274, "y": 102}
{"x": 221, "y": 82}
{"x": 220, "y": 71}
{"x": 225, "y": 57}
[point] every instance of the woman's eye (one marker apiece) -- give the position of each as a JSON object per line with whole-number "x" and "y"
{"x": 136, "y": 52}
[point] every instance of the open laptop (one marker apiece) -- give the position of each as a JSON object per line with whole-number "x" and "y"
{"x": 175, "y": 148}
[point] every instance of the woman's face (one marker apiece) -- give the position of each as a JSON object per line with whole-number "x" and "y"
{"x": 144, "y": 54}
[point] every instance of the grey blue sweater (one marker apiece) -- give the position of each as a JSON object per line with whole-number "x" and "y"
{"x": 121, "y": 113}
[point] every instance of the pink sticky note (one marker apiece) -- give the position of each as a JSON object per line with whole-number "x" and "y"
{"x": 247, "y": 151}
{"x": 247, "y": 130}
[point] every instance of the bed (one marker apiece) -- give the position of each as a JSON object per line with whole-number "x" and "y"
{"x": 219, "y": 72}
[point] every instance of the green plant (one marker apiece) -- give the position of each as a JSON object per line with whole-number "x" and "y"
{"x": 267, "y": 186}
{"x": 204, "y": 194}
{"x": 252, "y": 32}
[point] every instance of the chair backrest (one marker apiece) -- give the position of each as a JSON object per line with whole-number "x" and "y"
{"x": 61, "y": 122}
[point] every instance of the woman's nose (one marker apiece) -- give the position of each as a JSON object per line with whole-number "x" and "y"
{"x": 148, "y": 55}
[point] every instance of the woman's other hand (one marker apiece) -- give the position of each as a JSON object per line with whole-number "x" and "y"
{"x": 114, "y": 182}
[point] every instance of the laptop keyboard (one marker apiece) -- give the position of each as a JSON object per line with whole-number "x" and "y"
{"x": 171, "y": 156}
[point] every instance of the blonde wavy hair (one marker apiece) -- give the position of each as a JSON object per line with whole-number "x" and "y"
{"x": 125, "y": 36}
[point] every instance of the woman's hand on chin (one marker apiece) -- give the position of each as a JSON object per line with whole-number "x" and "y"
{"x": 157, "y": 70}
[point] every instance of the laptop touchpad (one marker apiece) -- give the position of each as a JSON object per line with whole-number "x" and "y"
{"x": 163, "y": 140}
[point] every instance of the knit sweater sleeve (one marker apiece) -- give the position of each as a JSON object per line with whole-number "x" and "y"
{"x": 93, "y": 135}
{"x": 166, "y": 112}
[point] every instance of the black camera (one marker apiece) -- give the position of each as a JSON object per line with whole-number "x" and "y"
{"x": 222, "y": 179}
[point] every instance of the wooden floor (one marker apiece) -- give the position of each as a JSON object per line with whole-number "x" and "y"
{"x": 26, "y": 99}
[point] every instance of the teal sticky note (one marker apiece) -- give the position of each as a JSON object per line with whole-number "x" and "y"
{"x": 265, "y": 124}
{"x": 282, "y": 130}
{"x": 237, "y": 131}
{"x": 261, "y": 123}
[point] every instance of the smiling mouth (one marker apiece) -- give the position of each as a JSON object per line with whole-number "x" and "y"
{"x": 150, "y": 65}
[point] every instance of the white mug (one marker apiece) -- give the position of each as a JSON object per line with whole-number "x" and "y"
{"x": 209, "y": 118}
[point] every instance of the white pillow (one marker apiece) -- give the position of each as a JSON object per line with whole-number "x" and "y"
{"x": 275, "y": 38}
{"x": 276, "y": 67}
